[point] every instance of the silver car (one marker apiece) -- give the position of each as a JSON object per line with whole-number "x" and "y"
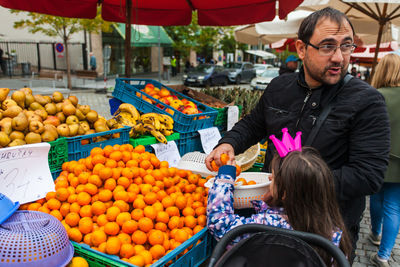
{"x": 261, "y": 83}
{"x": 260, "y": 68}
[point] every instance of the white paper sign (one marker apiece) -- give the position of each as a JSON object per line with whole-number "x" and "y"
{"x": 168, "y": 152}
{"x": 24, "y": 172}
{"x": 209, "y": 138}
{"x": 232, "y": 116}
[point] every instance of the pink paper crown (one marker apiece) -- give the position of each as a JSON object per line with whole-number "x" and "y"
{"x": 287, "y": 144}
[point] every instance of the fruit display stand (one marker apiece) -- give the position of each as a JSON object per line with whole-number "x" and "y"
{"x": 148, "y": 140}
{"x": 129, "y": 91}
{"x": 198, "y": 253}
{"x": 80, "y": 146}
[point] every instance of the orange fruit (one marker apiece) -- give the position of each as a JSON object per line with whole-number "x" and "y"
{"x": 162, "y": 216}
{"x": 64, "y": 209}
{"x": 137, "y": 214}
{"x": 200, "y": 211}
{"x": 113, "y": 245}
{"x": 157, "y": 251}
{"x": 139, "y": 237}
{"x": 121, "y": 195}
{"x": 108, "y": 150}
{"x": 111, "y": 228}
{"x": 98, "y": 208}
{"x": 240, "y": 181}
{"x": 86, "y": 211}
{"x": 57, "y": 214}
{"x": 197, "y": 229}
{"x": 129, "y": 226}
{"x": 110, "y": 163}
{"x": 181, "y": 202}
{"x": 50, "y": 195}
{"x": 105, "y": 173}
{"x": 72, "y": 219}
{"x": 188, "y": 211}
{"x": 172, "y": 211}
{"x": 83, "y": 198}
{"x": 139, "y": 149}
{"x": 74, "y": 234}
{"x": 96, "y": 151}
{"x": 74, "y": 207}
{"x": 145, "y": 164}
{"x": 112, "y": 213}
{"x": 251, "y": 182}
{"x": 116, "y": 155}
{"x": 98, "y": 159}
{"x": 62, "y": 194}
{"x": 102, "y": 220}
{"x": 214, "y": 166}
{"x": 148, "y": 258}
{"x": 145, "y": 224}
{"x": 202, "y": 220}
{"x": 150, "y": 212}
{"x": 224, "y": 158}
{"x": 161, "y": 226}
{"x": 95, "y": 179}
{"x": 150, "y": 198}
{"x": 122, "y": 218}
{"x": 105, "y": 195}
{"x": 125, "y": 238}
{"x": 53, "y": 204}
{"x": 167, "y": 202}
{"x": 181, "y": 235}
{"x": 137, "y": 260}
{"x": 139, "y": 203}
{"x": 90, "y": 189}
{"x": 173, "y": 222}
{"x": 127, "y": 251}
{"x": 238, "y": 170}
{"x": 85, "y": 225}
{"x": 190, "y": 221}
{"x": 98, "y": 237}
{"x": 156, "y": 237}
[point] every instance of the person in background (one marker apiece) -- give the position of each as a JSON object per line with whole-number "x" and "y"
{"x": 385, "y": 205}
{"x": 2, "y": 65}
{"x": 354, "y": 139}
{"x": 366, "y": 75}
{"x": 299, "y": 174}
{"x": 173, "y": 66}
{"x": 353, "y": 72}
{"x": 291, "y": 64}
{"x": 92, "y": 62}
{"x": 187, "y": 66}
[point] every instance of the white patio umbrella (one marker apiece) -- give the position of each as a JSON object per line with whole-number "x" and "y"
{"x": 261, "y": 53}
{"x": 382, "y": 12}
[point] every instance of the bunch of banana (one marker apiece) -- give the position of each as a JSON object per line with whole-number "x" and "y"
{"x": 128, "y": 115}
{"x": 158, "y": 125}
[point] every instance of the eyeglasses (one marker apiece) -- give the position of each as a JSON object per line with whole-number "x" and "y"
{"x": 329, "y": 50}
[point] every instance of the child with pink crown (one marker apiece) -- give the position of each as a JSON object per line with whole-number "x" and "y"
{"x": 302, "y": 191}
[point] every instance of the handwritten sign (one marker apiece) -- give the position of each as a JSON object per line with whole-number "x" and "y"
{"x": 209, "y": 138}
{"x": 168, "y": 152}
{"x": 24, "y": 172}
{"x": 233, "y": 116}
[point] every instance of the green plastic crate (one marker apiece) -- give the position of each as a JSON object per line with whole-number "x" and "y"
{"x": 146, "y": 140}
{"x": 193, "y": 258}
{"x": 58, "y": 153}
{"x": 222, "y": 116}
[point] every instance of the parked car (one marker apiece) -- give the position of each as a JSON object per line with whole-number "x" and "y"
{"x": 206, "y": 74}
{"x": 261, "y": 83}
{"x": 260, "y": 68}
{"x": 240, "y": 71}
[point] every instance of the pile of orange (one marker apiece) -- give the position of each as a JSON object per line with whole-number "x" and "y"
{"x": 123, "y": 201}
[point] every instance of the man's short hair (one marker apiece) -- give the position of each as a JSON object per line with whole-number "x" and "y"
{"x": 307, "y": 26}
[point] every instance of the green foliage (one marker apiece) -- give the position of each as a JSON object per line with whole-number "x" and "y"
{"x": 248, "y": 99}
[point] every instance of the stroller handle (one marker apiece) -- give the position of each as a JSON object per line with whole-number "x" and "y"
{"x": 312, "y": 239}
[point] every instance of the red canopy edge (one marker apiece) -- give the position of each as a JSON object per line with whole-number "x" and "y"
{"x": 85, "y": 9}
{"x": 287, "y": 6}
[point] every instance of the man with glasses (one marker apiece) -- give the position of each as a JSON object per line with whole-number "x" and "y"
{"x": 353, "y": 139}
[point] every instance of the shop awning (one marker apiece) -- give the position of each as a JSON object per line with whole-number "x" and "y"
{"x": 144, "y": 36}
{"x": 261, "y": 53}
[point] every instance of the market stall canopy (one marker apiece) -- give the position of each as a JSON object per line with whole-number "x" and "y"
{"x": 261, "y": 53}
{"x": 145, "y": 36}
{"x": 163, "y": 12}
{"x": 367, "y": 55}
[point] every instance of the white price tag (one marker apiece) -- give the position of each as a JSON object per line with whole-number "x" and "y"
{"x": 209, "y": 138}
{"x": 168, "y": 152}
{"x": 24, "y": 172}
{"x": 232, "y": 116}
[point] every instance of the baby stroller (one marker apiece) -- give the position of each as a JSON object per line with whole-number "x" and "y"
{"x": 274, "y": 247}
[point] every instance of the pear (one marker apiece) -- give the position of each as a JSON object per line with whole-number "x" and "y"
{"x": 17, "y": 142}
{"x": 73, "y": 99}
{"x": 92, "y": 116}
{"x": 63, "y": 130}
{"x": 50, "y": 108}
{"x": 4, "y": 93}
{"x": 12, "y": 111}
{"x": 47, "y": 98}
{"x": 59, "y": 107}
{"x": 19, "y": 98}
{"x": 67, "y": 101}
{"x": 111, "y": 122}
{"x": 34, "y": 117}
{"x": 61, "y": 117}
{"x": 91, "y": 131}
{"x": 8, "y": 103}
{"x": 35, "y": 106}
{"x": 42, "y": 113}
{"x": 20, "y": 122}
{"x": 1, "y": 113}
{"x": 52, "y": 129}
{"x": 48, "y": 136}
{"x": 29, "y": 99}
{"x": 68, "y": 109}
{"x": 4, "y": 139}
{"x": 17, "y": 135}
{"x": 40, "y": 99}
{"x": 32, "y": 138}
{"x": 80, "y": 115}
{"x": 100, "y": 126}
{"x": 26, "y": 90}
{"x": 81, "y": 129}
{"x": 85, "y": 125}
{"x": 57, "y": 97}
{"x": 36, "y": 127}
{"x": 72, "y": 119}
{"x": 85, "y": 109}
{"x": 73, "y": 129}
{"x": 5, "y": 125}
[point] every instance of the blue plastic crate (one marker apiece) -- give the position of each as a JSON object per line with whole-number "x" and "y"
{"x": 189, "y": 142}
{"x": 80, "y": 146}
{"x": 126, "y": 89}
{"x": 193, "y": 258}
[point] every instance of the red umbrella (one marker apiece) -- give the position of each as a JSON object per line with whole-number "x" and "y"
{"x": 160, "y": 12}
{"x": 285, "y": 44}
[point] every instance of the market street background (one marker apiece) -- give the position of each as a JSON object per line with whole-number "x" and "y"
{"x": 88, "y": 93}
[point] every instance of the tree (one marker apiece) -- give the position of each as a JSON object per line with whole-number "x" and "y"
{"x": 63, "y": 27}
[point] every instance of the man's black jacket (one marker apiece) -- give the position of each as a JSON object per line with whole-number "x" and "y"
{"x": 354, "y": 140}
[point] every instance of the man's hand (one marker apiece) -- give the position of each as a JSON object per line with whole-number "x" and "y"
{"x": 216, "y": 155}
